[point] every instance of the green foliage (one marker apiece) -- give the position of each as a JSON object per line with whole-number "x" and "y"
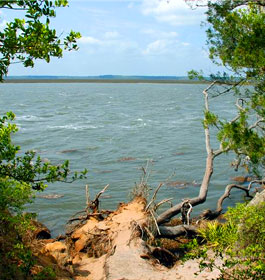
{"x": 210, "y": 119}
{"x": 236, "y": 40}
{"x": 240, "y": 242}
{"x": 195, "y": 75}
{"x": 236, "y": 35}
{"x": 30, "y": 38}
{"x": 20, "y": 178}
{"x": 193, "y": 250}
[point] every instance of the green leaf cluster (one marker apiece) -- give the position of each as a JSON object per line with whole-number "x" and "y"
{"x": 236, "y": 35}
{"x": 30, "y": 38}
{"x": 236, "y": 40}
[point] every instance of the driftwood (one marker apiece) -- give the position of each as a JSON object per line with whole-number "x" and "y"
{"x": 93, "y": 205}
{"x": 90, "y": 206}
{"x": 177, "y": 230}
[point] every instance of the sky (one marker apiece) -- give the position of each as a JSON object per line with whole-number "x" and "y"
{"x": 137, "y": 37}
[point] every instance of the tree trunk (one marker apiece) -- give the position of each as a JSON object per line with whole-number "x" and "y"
{"x": 173, "y": 211}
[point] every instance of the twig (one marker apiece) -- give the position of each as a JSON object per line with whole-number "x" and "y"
{"x": 154, "y": 196}
{"x": 188, "y": 214}
{"x": 162, "y": 202}
{"x": 95, "y": 203}
{"x": 240, "y": 107}
{"x": 157, "y": 227}
{"x": 262, "y": 181}
{"x": 256, "y": 123}
{"x": 87, "y": 196}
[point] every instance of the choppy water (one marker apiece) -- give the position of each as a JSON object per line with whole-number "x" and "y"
{"x": 96, "y": 125}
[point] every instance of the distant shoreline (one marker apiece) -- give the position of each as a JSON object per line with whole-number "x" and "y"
{"x": 103, "y": 81}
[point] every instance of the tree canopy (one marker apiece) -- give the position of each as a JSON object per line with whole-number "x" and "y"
{"x": 236, "y": 41}
{"x": 30, "y": 37}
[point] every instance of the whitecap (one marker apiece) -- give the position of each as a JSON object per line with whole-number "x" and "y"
{"x": 29, "y": 118}
{"x": 125, "y": 126}
{"x": 73, "y": 127}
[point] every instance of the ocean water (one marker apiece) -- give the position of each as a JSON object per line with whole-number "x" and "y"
{"x": 113, "y": 130}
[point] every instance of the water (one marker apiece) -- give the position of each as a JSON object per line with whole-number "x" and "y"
{"x": 96, "y": 125}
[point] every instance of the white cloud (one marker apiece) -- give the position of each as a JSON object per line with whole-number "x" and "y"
{"x": 185, "y": 43}
{"x": 160, "y": 47}
{"x": 111, "y": 35}
{"x": 173, "y": 12}
{"x": 109, "y": 42}
{"x": 159, "y": 34}
{"x": 89, "y": 40}
{"x": 157, "y": 46}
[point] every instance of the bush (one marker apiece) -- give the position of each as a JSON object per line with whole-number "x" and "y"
{"x": 240, "y": 242}
{"x": 20, "y": 178}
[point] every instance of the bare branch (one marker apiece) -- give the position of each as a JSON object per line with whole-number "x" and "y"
{"x": 262, "y": 181}
{"x": 157, "y": 227}
{"x": 209, "y": 214}
{"x": 154, "y": 196}
{"x": 13, "y": 8}
{"x": 162, "y": 202}
{"x": 257, "y": 123}
{"x": 227, "y": 194}
{"x": 95, "y": 203}
{"x": 231, "y": 84}
{"x": 240, "y": 107}
{"x": 188, "y": 214}
{"x": 87, "y": 195}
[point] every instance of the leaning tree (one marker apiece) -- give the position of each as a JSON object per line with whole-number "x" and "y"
{"x": 236, "y": 41}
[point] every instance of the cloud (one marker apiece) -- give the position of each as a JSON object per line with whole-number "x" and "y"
{"x": 111, "y": 35}
{"x": 160, "y": 47}
{"x": 159, "y": 34}
{"x": 89, "y": 40}
{"x": 109, "y": 42}
{"x": 174, "y": 12}
{"x": 156, "y": 47}
{"x": 185, "y": 44}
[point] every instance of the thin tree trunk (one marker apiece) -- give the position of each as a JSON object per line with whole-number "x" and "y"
{"x": 173, "y": 211}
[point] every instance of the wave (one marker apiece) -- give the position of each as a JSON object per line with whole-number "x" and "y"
{"x": 73, "y": 127}
{"x": 29, "y": 118}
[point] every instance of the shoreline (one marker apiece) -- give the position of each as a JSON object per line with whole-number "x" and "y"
{"x": 102, "y": 81}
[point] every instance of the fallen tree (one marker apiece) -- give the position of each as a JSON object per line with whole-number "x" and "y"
{"x": 211, "y": 155}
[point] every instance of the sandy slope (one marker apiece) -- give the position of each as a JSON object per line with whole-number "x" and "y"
{"x": 113, "y": 249}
